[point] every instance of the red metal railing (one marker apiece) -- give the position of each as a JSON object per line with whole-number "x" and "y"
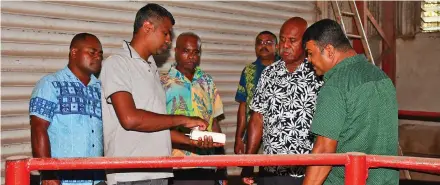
{"x": 419, "y": 115}
{"x": 356, "y": 164}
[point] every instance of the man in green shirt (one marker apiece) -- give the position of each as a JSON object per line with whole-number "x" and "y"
{"x": 356, "y": 109}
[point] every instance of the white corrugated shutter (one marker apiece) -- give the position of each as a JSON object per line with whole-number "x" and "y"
{"x": 36, "y": 36}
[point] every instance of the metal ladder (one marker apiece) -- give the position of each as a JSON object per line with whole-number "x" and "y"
{"x": 354, "y": 13}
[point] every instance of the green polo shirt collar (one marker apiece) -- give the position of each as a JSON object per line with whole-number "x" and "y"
{"x": 344, "y": 63}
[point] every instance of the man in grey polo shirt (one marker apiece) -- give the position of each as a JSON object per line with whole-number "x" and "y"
{"x": 133, "y": 100}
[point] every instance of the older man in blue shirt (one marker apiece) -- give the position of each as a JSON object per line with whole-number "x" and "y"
{"x": 65, "y": 113}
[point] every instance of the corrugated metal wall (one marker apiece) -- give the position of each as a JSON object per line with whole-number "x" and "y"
{"x": 35, "y": 37}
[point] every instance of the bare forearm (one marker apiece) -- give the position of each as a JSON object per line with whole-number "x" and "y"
{"x": 39, "y": 137}
{"x": 145, "y": 121}
{"x": 316, "y": 175}
{"x": 179, "y": 138}
{"x": 216, "y": 126}
{"x": 255, "y": 131}
{"x": 135, "y": 119}
{"x": 40, "y": 144}
{"x": 241, "y": 120}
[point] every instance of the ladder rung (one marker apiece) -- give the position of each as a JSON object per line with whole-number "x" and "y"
{"x": 353, "y": 36}
{"x": 348, "y": 13}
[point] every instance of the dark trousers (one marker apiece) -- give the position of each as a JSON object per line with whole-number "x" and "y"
{"x": 195, "y": 176}
{"x": 268, "y": 178}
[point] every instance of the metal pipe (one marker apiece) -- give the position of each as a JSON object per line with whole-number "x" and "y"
{"x": 357, "y": 164}
{"x": 17, "y": 172}
{"x": 356, "y": 169}
{"x": 168, "y": 162}
{"x": 420, "y": 114}
{"x": 414, "y": 163}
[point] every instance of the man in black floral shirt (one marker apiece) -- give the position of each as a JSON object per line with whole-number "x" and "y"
{"x": 283, "y": 105}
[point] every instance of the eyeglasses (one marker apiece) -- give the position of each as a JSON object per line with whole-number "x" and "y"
{"x": 265, "y": 42}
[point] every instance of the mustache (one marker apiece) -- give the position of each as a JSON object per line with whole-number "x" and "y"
{"x": 168, "y": 45}
{"x": 286, "y": 50}
{"x": 264, "y": 49}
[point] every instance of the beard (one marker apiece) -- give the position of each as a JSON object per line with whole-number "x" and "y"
{"x": 163, "y": 49}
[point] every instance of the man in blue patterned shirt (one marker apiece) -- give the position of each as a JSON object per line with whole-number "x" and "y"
{"x": 65, "y": 113}
{"x": 265, "y": 49}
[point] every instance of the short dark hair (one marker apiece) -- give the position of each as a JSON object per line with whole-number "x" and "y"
{"x": 325, "y": 32}
{"x": 151, "y": 12}
{"x": 268, "y": 33}
{"x": 80, "y": 37}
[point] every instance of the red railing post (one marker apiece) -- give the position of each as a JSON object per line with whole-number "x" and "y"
{"x": 356, "y": 170}
{"x": 17, "y": 171}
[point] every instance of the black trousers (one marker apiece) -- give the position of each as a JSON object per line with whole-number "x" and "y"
{"x": 268, "y": 178}
{"x": 196, "y": 176}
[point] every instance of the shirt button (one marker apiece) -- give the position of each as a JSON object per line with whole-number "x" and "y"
{"x": 93, "y": 131}
{"x": 90, "y": 116}
{"x": 93, "y": 145}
